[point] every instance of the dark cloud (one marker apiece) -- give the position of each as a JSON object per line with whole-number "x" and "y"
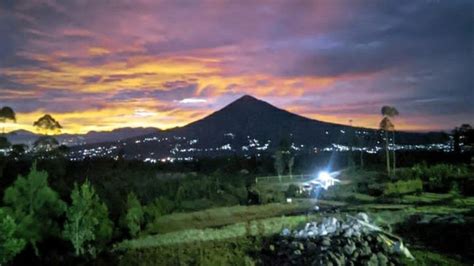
{"x": 416, "y": 55}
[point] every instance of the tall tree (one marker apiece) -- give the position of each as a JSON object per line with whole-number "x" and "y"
{"x": 6, "y": 114}
{"x": 463, "y": 136}
{"x": 386, "y": 125}
{"x": 88, "y": 226}
{"x": 279, "y": 164}
{"x": 135, "y": 215}
{"x": 47, "y": 124}
{"x": 291, "y": 164}
{"x": 34, "y": 206}
{"x": 389, "y": 112}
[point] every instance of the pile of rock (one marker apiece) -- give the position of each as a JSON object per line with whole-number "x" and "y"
{"x": 353, "y": 241}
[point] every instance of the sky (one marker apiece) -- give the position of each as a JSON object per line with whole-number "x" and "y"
{"x": 100, "y": 65}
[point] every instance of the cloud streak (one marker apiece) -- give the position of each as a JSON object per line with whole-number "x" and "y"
{"x": 100, "y": 65}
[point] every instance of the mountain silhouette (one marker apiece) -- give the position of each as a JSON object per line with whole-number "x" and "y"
{"x": 249, "y": 126}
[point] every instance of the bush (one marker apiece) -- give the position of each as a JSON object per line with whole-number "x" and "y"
{"x": 292, "y": 191}
{"x": 438, "y": 178}
{"x": 403, "y": 187}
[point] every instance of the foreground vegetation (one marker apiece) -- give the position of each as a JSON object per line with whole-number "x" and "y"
{"x": 118, "y": 211}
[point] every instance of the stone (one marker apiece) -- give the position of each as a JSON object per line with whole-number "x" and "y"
{"x": 363, "y": 216}
{"x": 349, "y": 249}
{"x": 348, "y": 232}
{"x": 311, "y": 247}
{"x": 300, "y": 246}
{"x": 326, "y": 241}
{"x": 382, "y": 259}
{"x": 373, "y": 261}
{"x": 365, "y": 250}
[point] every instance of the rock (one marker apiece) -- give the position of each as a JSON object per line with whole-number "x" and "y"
{"x": 286, "y": 232}
{"x": 334, "y": 242}
{"x": 311, "y": 247}
{"x": 348, "y": 232}
{"x": 300, "y": 246}
{"x": 349, "y": 249}
{"x": 326, "y": 241}
{"x": 365, "y": 250}
{"x": 382, "y": 259}
{"x": 363, "y": 216}
{"x": 373, "y": 261}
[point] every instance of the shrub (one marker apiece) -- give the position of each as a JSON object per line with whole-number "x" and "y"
{"x": 292, "y": 191}
{"x": 403, "y": 187}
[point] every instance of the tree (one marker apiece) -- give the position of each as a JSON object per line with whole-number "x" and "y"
{"x": 34, "y": 206}
{"x": 10, "y": 245}
{"x": 135, "y": 215}
{"x": 47, "y": 124}
{"x": 4, "y": 143}
{"x": 291, "y": 163}
{"x": 7, "y": 113}
{"x": 463, "y": 136}
{"x": 279, "y": 164}
{"x": 87, "y": 226}
{"x": 386, "y": 125}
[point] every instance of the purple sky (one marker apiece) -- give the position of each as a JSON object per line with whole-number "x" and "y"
{"x": 99, "y": 65}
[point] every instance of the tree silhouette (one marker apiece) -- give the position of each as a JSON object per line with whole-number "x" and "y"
{"x": 391, "y": 112}
{"x": 279, "y": 164}
{"x": 47, "y": 124}
{"x": 386, "y": 125}
{"x": 6, "y": 113}
{"x": 463, "y": 134}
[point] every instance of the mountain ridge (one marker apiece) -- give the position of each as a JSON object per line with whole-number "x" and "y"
{"x": 249, "y": 125}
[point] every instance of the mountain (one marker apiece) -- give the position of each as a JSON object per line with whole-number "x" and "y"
{"x": 246, "y": 126}
{"x": 27, "y": 137}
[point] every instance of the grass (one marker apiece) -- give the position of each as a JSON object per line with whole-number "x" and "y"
{"x": 426, "y": 198}
{"x": 428, "y": 258}
{"x": 216, "y": 217}
{"x": 243, "y": 229}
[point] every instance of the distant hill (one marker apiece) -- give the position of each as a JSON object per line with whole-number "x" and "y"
{"x": 27, "y": 137}
{"x": 248, "y": 126}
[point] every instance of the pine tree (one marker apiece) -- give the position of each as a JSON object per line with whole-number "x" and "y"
{"x": 34, "y": 206}
{"x": 135, "y": 215}
{"x": 10, "y": 245}
{"x": 88, "y": 226}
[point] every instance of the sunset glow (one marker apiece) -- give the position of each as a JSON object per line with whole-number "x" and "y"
{"x": 100, "y": 65}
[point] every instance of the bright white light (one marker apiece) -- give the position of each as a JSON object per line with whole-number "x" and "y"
{"x": 324, "y": 176}
{"x": 193, "y": 100}
{"x": 325, "y": 180}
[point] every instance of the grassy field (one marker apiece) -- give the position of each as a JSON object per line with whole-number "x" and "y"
{"x": 229, "y": 235}
{"x": 223, "y": 216}
{"x": 261, "y": 227}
